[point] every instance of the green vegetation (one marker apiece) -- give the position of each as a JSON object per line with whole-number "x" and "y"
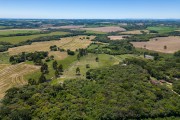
{"x": 36, "y": 57}
{"x": 18, "y": 39}
{"x": 94, "y": 32}
{"x": 4, "y": 58}
{"x": 163, "y": 68}
{"x": 162, "y": 29}
{"x": 104, "y": 60}
{"x": 15, "y": 32}
{"x": 65, "y": 62}
{"x": 3, "y": 27}
{"x": 118, "y": 92}
{"x": 113, "y": 48}
{"x": 109, "y": 80}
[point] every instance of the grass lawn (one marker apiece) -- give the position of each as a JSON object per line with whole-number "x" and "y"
{"x": 17, "y": 39}
{"x": 162, "y": 29}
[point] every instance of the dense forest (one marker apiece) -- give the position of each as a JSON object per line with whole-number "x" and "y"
{"x": 117, "y": 92}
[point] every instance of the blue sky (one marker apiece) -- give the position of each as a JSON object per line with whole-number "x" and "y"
{"x": 105, "y": 9}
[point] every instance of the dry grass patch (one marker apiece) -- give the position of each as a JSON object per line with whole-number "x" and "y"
{"x": 58, "y": 55}
{"x": 2, "y": 66}
{"x": 120, "y": 37}
{"x": 135, "y": 32}
{"x": 13, "y": 76}
{"x": 158, "y": 44}
{"x": 105, "y": 29}
{"x": 71, "y": 43}
{"x": 68, "y": 27}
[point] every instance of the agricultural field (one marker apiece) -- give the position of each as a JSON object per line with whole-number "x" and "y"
{"x": 13, "y": 75}
{"x": 169, "y": 44}
{"x": 105, "y": 29}
{"x": 162, "y": 29}
{"x": 2, "y": 66}
{"x": 17, "y": 31}
{"x": 71, "y": 43}
{"x": 2, "y": 27}
{"x": 68, "y": 27}
{"x": 119, "y": 37}
{"x": 134, "y": 32}
{"x": 95, "y": 32}
{"x": 18, "y": 39}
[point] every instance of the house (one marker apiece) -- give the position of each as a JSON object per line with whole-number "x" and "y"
{"x": 149, "y": 57}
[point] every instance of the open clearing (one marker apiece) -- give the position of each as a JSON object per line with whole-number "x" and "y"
{"x": 134, "y": 32}
{"x": 105, "y": 29}
{"x": 12, "y": 76}
{"x": 18, "y": 39}
{"x": 157, "y": 44}
{"x": 120, "y": 37}
{"x": 71, "y": 43}
{"x": 104, "y": 60}
{"x": 17, "y": 31}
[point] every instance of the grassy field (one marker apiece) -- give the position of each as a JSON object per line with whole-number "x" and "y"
{"x": 162, "y": 29}
{"x": 65, "y": 62}
{"x": 2, "y": 27}
{"x": 71, "y": 43}
{"x": 104, "y": 61}
{"x": 17, "y": 39}
{"x": 17, "y": 31}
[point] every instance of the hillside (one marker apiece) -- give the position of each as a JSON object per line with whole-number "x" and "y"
{"x": 118, "y": 92}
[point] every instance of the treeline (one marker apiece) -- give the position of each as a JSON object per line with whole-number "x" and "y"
{"x": 36, "y": 57}
{"x": 102, "y": 38}
{"x": 118, "y": 92}
{"x": 114, "y": 48}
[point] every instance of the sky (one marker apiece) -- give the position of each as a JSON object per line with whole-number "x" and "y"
{"x": 90, "y": 9}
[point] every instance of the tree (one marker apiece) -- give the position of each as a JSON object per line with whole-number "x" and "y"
{"x": 60, "y": 68}
{"x": 165, "y": 47}
{"x": 78, "y": 71}
{"x": 42, "y": 79}
{"x": 97, "y": 59}
{"x": 70, "y": 52}
{"x": 78, "y": 57}
{"x": 44, "y": 68}
{"x": 88, "y": 75}
{"x": 87, "y": 66}
{"x": 31, "y": 82}
{"x": 55, "y": 65}
{"x": 57, "y": 74}
{"x": 11, "y": 59}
